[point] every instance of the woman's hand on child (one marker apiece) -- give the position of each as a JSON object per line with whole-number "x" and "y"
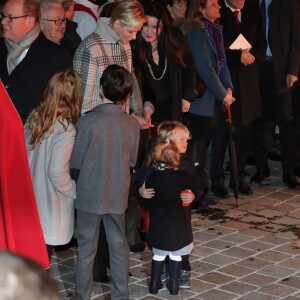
{"x": 187, "y": 197}
{"x": 144, "y": 123}
{"x": 146, "y": 193}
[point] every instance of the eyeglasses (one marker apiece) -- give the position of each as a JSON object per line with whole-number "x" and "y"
{"x": 57, "y": 22}
{"x": 9, "y": 18}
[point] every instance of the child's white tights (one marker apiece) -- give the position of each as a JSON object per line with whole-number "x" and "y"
{"x": 171, "y": 256}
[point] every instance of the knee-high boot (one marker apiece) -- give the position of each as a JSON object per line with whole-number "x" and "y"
{"x": 155, "y": 283}
{"x": 174, "y": 274}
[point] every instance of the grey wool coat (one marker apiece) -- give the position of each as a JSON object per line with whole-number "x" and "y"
{"x": 106, "y": 147}
{"x": 54, "y": 189}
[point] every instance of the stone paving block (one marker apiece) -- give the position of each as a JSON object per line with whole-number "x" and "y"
{"x": 238, "y": 252}
{"x": 220, "y": 260}
{"x": 221, "y": 230}
{"x": 295, "y": 201}
{"x": 292, "y": 281}
{"x": 286, "y": 207}
{"x": 218, "y": 244}
{"x": 277, "y": 290}
{"x": 236, "y": 213}
{"x": 281, "y": 195}
{"x": 251, "y": 207}
{"x": 258, "y": 296}
{"x": 237, "y": 225}
{"x": 270, "y": 213}
{"x": 287, "y": 221}
{"x": 201, "y": 267}
{"x": 273, "y": 256}
{"x": 291, "y": 263}
{"x": 267, "y": 201}
{"x": 201, "y": 251}
{"x": 255, "y": 232}
{"x": 258, "y": 279}
{"x": 257, "y": 246}
{"x": 216, "y": 278}
{"x": 254, "y": 220}
{"x": 198, "y": 224}
{"x": 202, "y": 236}
{"x": 271, "y": 227}
{"x": 238, "y": 288}
{"x": 216, "y": 295}
{"x": 236, "y": 270}
{"x": 200, "y": 286}
{"x": 276, "y": 271}
{"x": 273, "y": 239}
{"x": 291, "y": 298}
{"x": 254, "y": 263}
{"x": 288, "y": 233}
{"x": 237, "y": 238}
{"x": 291, "y": 248}
{"x": 295, "y": 214}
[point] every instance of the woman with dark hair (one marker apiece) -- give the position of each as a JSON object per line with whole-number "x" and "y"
{"x": 176, "y": 8}
{"x": 164, "y": 66}
{"x": 206, "y": 116}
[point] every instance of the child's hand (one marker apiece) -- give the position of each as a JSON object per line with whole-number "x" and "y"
{"x": 146, "y": 193}
{"x": 187, "y": 198}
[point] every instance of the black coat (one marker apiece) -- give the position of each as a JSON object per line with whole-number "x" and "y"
{"x": 182, "y": 79}
{"x": 28, "y": 80}
{"x": 245, "y": 79}
{"x": 284, "y": 26}
{"x": 170, "y": 222}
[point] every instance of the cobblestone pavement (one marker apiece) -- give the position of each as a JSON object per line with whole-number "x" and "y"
{"x": 249, "y": 253}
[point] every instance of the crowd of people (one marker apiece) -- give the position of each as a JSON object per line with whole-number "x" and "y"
{"x": 120, "y": 101}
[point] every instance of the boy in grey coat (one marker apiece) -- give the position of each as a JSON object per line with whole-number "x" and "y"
{"x": 105, "y": 148}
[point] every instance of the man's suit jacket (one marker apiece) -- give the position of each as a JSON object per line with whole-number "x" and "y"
{"x": 28, "y": 80}
{"x": 284, "y": 27}
{"x": 245, "y": 79}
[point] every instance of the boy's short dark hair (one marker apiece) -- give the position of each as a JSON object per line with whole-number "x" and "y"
{"x": 116, "y": 83}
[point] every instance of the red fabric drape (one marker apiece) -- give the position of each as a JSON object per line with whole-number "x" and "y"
{"x": 20, "y": 228}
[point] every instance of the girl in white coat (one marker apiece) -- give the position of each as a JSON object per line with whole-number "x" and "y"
{"x": 50, "y": 135}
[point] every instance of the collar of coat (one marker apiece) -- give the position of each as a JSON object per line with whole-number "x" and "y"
{"x": 104, "y": 30}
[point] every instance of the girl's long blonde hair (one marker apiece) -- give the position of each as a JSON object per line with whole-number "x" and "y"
{"x": 61, "y": 101}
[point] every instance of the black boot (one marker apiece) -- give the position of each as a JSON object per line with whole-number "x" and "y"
{"x": 155, "y": 283}
{"x": 174, "y": 274}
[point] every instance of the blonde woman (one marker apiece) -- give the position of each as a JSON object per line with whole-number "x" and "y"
{"x": 50, "y": 135}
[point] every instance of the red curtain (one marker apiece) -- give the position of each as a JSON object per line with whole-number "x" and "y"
{"x": 20, "y": 228}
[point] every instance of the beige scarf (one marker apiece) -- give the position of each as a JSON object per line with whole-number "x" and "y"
{"x": 16, "y": 49}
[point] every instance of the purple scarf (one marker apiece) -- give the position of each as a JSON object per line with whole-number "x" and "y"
{"x": 215, "y": 30}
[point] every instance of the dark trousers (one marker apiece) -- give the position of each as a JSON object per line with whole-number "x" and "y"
{"x": 296, "y": 115}
{"x": 282, "y": 105}
{"x": 242, "y": 140}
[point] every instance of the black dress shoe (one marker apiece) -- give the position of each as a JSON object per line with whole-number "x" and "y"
{"x": 297, "y": 172}
{"x": 137, "y": 248}
{"x": 274, "y": 156}
{"x": 250, "y": 160}
{"x": 244, "y": 188}
{"x": 102, "y": 279}
{"x": 260, "y": 175}
{"x": 220, "y": 191}
{"x": 291, "y": 181}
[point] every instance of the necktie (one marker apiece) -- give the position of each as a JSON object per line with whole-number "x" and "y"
{"x": 263, "y": 14}
{"x": 236, "y": 13}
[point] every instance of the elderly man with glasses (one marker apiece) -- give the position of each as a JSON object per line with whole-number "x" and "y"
{"x": 53, "y": 21}
{"x": 27, "y": 58}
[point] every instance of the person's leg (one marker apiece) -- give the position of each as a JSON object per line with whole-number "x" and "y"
{"x": 88, "y": 226}
{"x": 157, "y": 265}
{"x": 118, "y": 255}
{"x": 174, "y": 274}
{"x": 184, "y": 279}
{"x": 219, "y": 146}
{"x": 101, "y": 262}
{"x": 49, "y": 251}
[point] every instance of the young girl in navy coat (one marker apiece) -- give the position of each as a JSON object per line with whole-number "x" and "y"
{"x": 170, "y": 230}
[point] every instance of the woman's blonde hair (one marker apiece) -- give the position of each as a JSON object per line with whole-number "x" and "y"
{"x": 167, "y": 128}
{"x": 165, "y": 151}
{"x": 61, "y": 101}
{"x": 129, "y": 13}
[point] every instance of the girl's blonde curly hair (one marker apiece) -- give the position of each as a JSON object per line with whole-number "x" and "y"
{"x": 61, "y": 101}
